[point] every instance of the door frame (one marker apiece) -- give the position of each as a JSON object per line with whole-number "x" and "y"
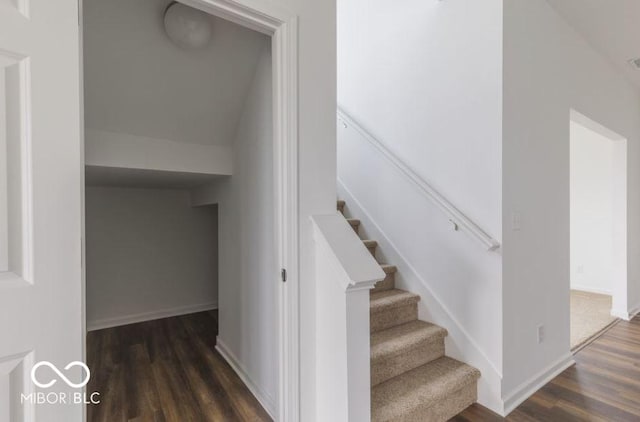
{"x": 619, "y": 282}
{"x": 282, "y": 26}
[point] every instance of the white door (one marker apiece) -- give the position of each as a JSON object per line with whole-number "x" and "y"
{"x": 40, "y": 208}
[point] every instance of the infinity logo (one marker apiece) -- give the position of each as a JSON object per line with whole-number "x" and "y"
{"x": 60, "y": 374}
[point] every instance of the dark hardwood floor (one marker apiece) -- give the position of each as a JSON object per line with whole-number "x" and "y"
{"x": 166, "y": 371}
{"x": 604, "y": 385}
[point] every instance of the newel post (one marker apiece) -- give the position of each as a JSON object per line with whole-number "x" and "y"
{"x": 345, "y": 273}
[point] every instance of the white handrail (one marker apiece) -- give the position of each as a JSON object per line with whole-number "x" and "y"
{"x": 457, "y": 218}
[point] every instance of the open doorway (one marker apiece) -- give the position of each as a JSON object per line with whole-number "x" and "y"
{"x": 598, "y": 201}
{"x": 182, "y": 235}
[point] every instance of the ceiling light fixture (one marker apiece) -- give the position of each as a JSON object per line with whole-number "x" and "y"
{"x": 187, "y": 27}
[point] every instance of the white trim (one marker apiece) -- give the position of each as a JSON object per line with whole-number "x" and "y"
{"x": 528, "y": 388}
{"x": 29, "y": 409}
{"x": 8, "y": 364}
{"x": 459, "y": 220}
{"x": 24, "y": 274}
{"x": 27, "y": 171}
{"x": 619, "y": 276}
{"x": 624, "y": 314}
{"x": 345, "y": 273}
{"x": 100, "y": 324}
{"x": 262, "y": 396}
{"x": 621, "y": 313}
{"x": 4, "y": 177}
{"x": 83, "y": 194}
{"x": 579, "y": 118}
{"x": 285, "y": 105}
{"x": 588, "y": 289}
{"x": 357, "y": 268}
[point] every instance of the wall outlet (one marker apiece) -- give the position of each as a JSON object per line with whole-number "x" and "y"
{"x": 580, "y": 269}
{"x": 540, "y": 333}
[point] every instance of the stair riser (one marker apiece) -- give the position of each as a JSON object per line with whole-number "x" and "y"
{"x": 388, "y": 283}
{"x": 372, "y": 250}
{"x": 388, "y": 367}
{"x": 446, "y": 409}
{"x": 393, "y": 317}
{"x": 410, "y": 382}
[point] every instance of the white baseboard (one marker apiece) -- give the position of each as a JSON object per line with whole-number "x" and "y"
{"x": 99, "y": 324}
{"x": 265, "y": 399}
{"x": 528, "y": 388}
{"x": 624, "y": 314}
{"x": 591, "y": 290}
{"x": 621, "y": 313}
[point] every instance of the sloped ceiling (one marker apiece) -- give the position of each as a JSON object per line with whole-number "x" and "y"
{"x": 610, "y": 26}
{"x": 138, "y": 82}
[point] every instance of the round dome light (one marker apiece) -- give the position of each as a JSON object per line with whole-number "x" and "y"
{"x": 187, "y": 27}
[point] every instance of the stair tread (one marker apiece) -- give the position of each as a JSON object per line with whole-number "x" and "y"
{"x": 400, "y": 342}
{"x": 380, "y": 301}
{"x": 388, "y": 269}
{"x": 399, "y": 338}
{"x": 423, "y": 387}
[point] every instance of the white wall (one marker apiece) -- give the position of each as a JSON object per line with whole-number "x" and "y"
{"x": 138, "y": 82}
{"x": 591, "y": 186}
{"x": 478, "y": 103}
{"x": 120, "y": 150}
{"x": 548, "y": 70}
{"x": 457, "y": 278}
{"x": 425, "y": 79}
{"x": 316, "y": 57}
{"x": 149, "y": 254}
{"x": 249, "y": 275}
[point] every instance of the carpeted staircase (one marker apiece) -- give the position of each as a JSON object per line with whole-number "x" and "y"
{"x": 411, "y": 378}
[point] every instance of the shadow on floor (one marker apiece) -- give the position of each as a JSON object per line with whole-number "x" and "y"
{"x": 166, "y": 370}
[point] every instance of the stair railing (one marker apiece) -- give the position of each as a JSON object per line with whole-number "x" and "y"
{"x": 458, "y": 220}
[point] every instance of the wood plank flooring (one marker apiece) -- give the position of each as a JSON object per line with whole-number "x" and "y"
{"x": 604, "y": 385}
{"x": 166, "y": 371}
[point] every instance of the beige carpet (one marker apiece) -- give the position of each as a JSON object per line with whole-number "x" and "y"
{"x": 590, "y": 313}
{"x": 412, "y": 380}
